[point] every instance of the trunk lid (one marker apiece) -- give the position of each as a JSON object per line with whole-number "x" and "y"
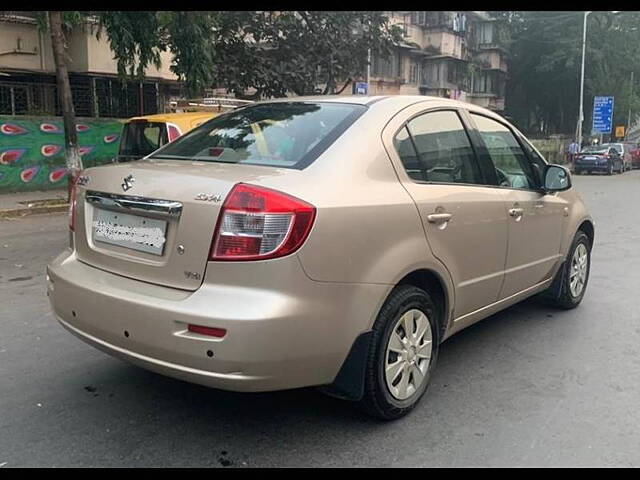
{"x": 182, "y": 198}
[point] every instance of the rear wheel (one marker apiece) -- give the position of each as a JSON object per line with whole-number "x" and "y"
{"x": 403, "y": 353}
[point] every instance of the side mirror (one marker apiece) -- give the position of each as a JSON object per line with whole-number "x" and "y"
{"x": 556, "y": 178}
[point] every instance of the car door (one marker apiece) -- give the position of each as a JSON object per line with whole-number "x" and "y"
{"x": 535, "y": 218}
{"x": 465, "y": 222}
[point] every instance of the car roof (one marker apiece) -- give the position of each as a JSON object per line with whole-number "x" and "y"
{"x": 401, "y": 101}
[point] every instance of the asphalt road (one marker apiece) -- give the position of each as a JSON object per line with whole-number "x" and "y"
{"x": 530, "y": 386}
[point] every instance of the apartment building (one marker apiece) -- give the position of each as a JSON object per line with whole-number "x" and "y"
{"x": 28, "y": 82}
{"x": 454, "y": 54}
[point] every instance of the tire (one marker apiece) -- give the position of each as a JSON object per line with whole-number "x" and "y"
{"x": 568, "y": 298}
{"x": 379, "y": 400}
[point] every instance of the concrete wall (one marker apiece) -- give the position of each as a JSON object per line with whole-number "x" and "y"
{"x": 87, "y": 54}
{"x": 32, "y": 150}
{"x": 34, "y": 52}
{"x": 553, "y": 148}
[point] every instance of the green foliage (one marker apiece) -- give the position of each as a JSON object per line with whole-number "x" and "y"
{"x": 298, "y": 51}
{"x": 189, "y": 37}
{"x": 135, "y": 39}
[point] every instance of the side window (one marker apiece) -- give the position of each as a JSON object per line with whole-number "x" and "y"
{"x": 442, "y": 152}
{"x": 508, "y": 158}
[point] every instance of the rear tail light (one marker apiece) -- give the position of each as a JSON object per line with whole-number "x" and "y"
{"x": 172, "y": 132}
{"x": 72, "y": 202}
{"x": 257, "y": 223}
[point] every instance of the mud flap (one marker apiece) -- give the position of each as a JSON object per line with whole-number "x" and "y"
{"x": 349, "y": 383}
{"x": 555, "y": 289}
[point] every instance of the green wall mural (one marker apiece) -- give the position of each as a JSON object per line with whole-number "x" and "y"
{"x": 32, "y": 150}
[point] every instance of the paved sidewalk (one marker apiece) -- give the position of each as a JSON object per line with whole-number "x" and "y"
{"x": 28, "y": 203}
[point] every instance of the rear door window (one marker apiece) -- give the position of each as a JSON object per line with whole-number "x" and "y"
{"x": 139, "y": 139}
{"x": 434, "y": 147}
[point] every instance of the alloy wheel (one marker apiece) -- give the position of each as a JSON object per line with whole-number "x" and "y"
{"x": 579, "y": 270}
{"x": 408, "y": 354}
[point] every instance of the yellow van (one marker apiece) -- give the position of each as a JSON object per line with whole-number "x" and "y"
{"x": 143, "y": 135}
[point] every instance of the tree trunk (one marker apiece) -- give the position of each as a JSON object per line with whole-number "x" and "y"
{"x": 346, "y": 84}
{"x": 72, "y": 154}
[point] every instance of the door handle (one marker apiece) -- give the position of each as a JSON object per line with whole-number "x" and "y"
{"x": 516, "y": 212}
{"x": 439, "y": 217}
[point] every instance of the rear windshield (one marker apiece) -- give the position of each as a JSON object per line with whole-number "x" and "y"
{"x": 595, "y": 149}
{"x": 291, "y": 134}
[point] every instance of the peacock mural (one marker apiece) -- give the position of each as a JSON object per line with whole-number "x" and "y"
{"x": 32, "y": 150}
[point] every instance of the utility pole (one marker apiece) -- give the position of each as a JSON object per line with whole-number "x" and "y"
{"x": 581, "y": 114}
{"x": 368, "y": 70}
{"x": 630, "y": 100}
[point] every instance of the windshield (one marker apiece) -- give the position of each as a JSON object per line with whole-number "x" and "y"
{"x": 291, "y": 134}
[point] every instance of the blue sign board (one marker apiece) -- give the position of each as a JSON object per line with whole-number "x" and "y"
{"x": 602, "y": 114}
{"x": 361, "y": 88}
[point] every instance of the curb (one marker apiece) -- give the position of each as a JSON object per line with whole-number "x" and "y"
{"x": 23, "y": 212}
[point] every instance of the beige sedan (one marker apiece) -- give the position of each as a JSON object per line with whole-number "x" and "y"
{"x": 321, "y": 241}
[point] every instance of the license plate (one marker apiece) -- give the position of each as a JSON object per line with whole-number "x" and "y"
{"x": 589, "y": 158}
{"x": 129, "y": 231}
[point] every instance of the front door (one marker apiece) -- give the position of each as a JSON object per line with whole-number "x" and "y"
{"x": 465, "y": 221}
{"x": 535, "y": 219}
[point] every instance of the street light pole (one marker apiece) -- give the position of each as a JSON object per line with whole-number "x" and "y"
{"x": 368, "y": 70}
{"x": 630, "y": 99}
{"x": 581, "y": 114}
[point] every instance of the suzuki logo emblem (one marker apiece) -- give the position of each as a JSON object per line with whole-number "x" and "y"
{"x": 128, "y": 182}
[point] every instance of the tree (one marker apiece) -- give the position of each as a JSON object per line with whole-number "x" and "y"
{"x": 303, "y": 52}
{"x": 544, "y": 71}
{"x": 60, "y": 23}
{"x": 270, "y": 52}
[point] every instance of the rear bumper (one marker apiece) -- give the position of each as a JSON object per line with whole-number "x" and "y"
{"x": 283, "y": 329}
{"x": 591, "y": 167}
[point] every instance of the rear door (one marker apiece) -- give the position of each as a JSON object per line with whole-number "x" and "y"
{"x": 535, "y": 219}
{"x": 465, "y": 222}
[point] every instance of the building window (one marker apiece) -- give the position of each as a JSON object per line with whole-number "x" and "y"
{"x": 431, "y": 74}
{"x": 414, "y": 72}
{"x": 485, "y": 33}
{"x": 418, "y": 18}
{"x": 386, "y": 67}
{"x": 483, "y": 83}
